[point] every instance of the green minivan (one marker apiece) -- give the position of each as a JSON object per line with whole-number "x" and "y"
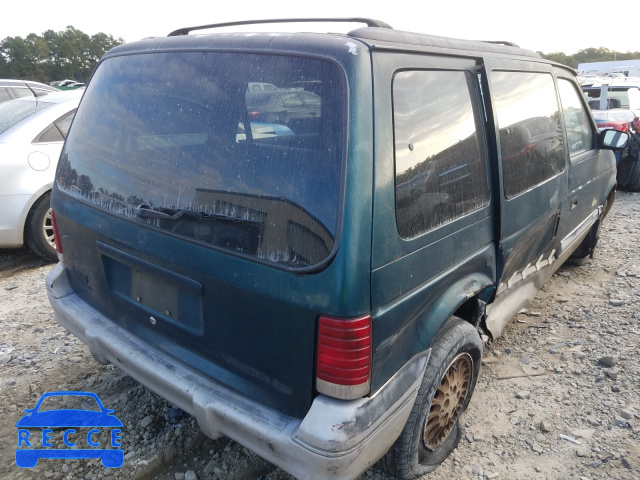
{"x": 317, "y": 287}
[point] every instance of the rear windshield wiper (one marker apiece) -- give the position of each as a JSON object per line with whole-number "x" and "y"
{"x": 148, "y": 211}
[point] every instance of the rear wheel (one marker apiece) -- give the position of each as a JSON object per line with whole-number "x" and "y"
{"x": 39, "y": 229}
{"x": 433, "y": 429}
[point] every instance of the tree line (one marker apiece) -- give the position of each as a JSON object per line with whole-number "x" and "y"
{"x": 589, "y": 55}
{"x": 69, "y": 54}
{"x": 72, "y": 54}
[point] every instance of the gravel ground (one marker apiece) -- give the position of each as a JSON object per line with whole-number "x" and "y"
{"x": 557, "y": 395}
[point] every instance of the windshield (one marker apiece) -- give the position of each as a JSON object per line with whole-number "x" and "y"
{"x": 14, "y": 111}
{"x": 614, "y": 115}
{"x": 175, "y": 140}
{"x": 69, "y": 402}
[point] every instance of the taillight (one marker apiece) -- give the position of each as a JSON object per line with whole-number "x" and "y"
{"x": 615, "y": 124}
{"x": 344, "y": 357}
{"x": 253, "y": 114}
{"x": 56, "y": 235}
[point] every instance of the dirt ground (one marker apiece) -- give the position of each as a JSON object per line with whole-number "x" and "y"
{"x": 557, "y": 398}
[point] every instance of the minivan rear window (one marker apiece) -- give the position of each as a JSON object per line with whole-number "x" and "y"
{"x": 183, "y": 142}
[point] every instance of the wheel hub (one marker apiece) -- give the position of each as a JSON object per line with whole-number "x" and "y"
{"x": 448, "y": 401}
{"x": 47, "y": 229}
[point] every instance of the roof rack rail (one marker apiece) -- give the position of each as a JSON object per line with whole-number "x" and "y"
{"x": 501, "y": 42}
{"x": 368, "y": 21}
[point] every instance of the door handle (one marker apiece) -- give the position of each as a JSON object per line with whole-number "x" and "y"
{"x": 555, "y": 228}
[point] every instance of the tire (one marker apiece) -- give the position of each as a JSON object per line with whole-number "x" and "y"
{"x": 628, "y": 174}
{"x": 433, "y": 429}
{"x": 633, "y": 185}
{"x": 587, "y": 249}
{"x": 39, "y": 229}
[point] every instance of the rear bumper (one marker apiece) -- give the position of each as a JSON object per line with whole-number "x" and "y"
{"x": 336, "y": 439}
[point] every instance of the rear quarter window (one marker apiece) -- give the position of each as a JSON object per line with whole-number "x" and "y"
{"x": 57, "y": 131}
{"x": 440, "y": 164}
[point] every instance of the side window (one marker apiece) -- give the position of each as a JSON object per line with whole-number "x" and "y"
{"x": 576, "y": 120}
{"x": 20, "y": 92}
{"x": 291, "y": 100}
{"x": 530, "y": 130}
{"x": 4, "y": 95}
{"x": 440, "y": 163}
{"x": 311, "y": 100}
{"x": 40, "y": 92}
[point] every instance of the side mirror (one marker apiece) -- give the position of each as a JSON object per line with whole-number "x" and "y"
{"x": 613, "y": 139}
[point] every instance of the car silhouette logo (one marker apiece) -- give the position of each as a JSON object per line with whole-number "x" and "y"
{"x": 74, "y": 426}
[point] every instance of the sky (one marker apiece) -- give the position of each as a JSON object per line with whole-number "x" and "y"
{"x": 543, "y": 25}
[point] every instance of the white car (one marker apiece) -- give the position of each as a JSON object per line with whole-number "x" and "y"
{"x": 32, "y": 131}
{"x": 10, "y": 89}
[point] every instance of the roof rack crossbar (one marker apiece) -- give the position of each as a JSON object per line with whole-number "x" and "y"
{"x": 368, "y": 21}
